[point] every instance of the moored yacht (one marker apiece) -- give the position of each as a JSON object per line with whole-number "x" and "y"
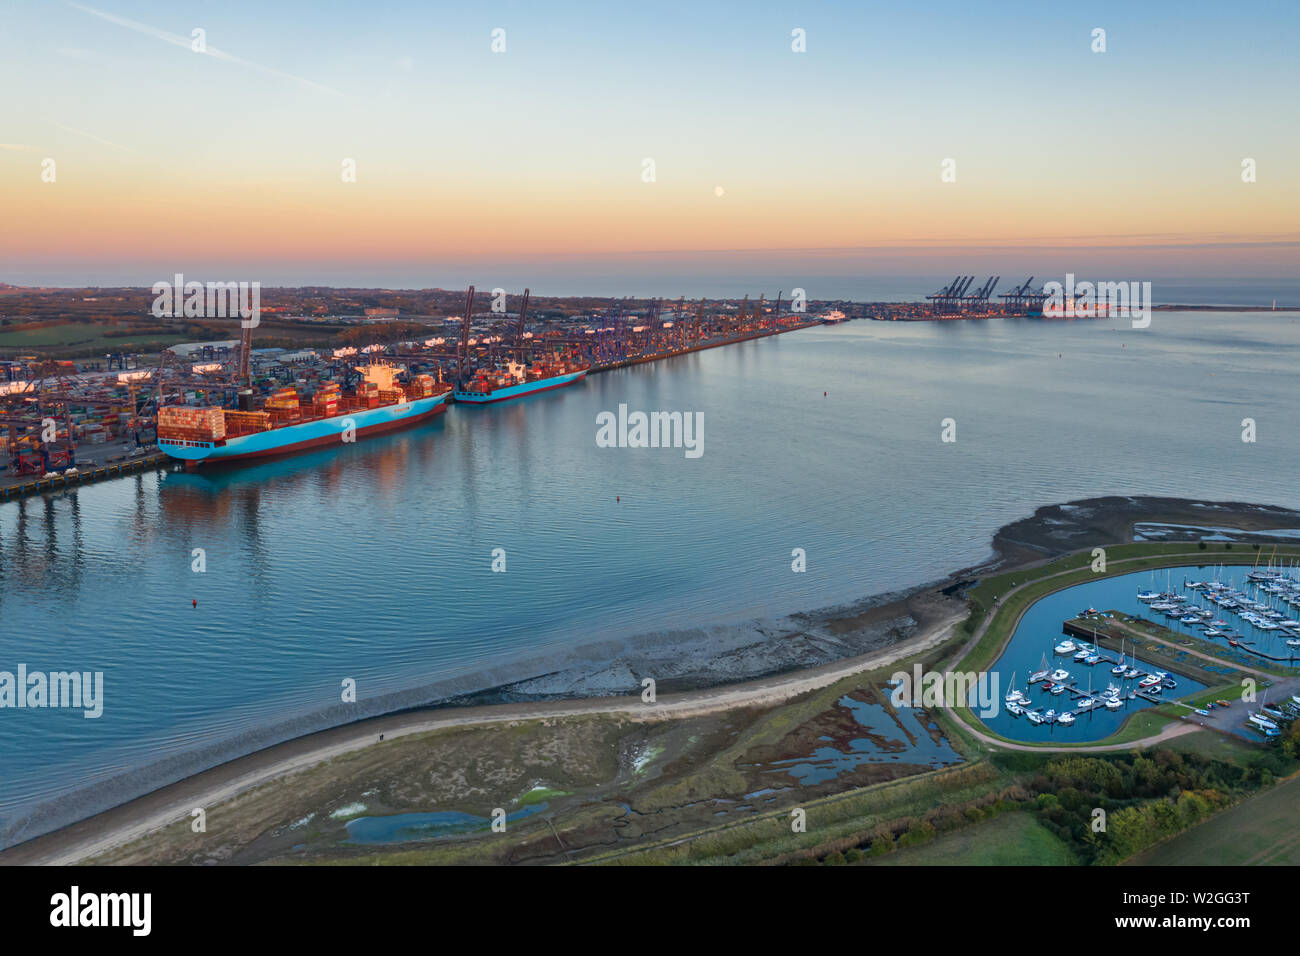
{"x": 1041, "y": 673}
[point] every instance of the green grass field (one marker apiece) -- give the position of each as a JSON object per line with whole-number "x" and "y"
{"x": 1261, "y": 831}
{"x": 82, "y": 337}
{"x": 1012, "y": 839}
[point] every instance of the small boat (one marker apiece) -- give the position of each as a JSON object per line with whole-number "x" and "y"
{"x": 1293, "y": 642}
{"x": 1264, "y": 722}
{"x": 1081, "y": 656}
{"x": 1130, "y": 673}
{"x": 1058, "y": 689}
{"x": 1059, "y": 675}
{"x": 1050, "y": 717}
{"x": 1150, "y": 680}
{"x": 1203, "y": 713}
{"x": 1114, "y": 703}
{"x": 1086, "y": 703}
{"x": 1169, "y": 683}
{"x": 1066, "y": 646}
{"x": 1014, "y": 696}
{"x": 1040, "y": 674}
{"x": 1092, "y": 659}
{"x": 1066, "y": 718}
{"x": 1014, "y": 709}
{"x": 1034, "y": 717}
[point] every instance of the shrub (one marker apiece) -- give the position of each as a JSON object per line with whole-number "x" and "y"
{"x": 919, "y": 833}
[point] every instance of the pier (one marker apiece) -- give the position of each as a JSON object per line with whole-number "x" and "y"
{"x": 12, "y": 490}
{"x": 1168, "y": 637}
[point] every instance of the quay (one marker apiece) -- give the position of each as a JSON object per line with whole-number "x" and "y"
{"x": 15, "y": 487}
{"x": 22, "y": 486}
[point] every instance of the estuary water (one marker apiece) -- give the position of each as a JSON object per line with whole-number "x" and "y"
{"x": 372, "y": 562}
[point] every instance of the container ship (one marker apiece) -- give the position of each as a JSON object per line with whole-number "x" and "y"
{"x": 285, "y": 424}
{"x": 497, "y": 385}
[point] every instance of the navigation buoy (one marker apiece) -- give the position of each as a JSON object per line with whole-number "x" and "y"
{"x": 823, "y": 394}
{"x": 194, "y": 601}
{"x": 617, "y": 498}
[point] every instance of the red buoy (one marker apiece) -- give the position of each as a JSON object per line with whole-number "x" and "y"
{"x": 194, "y": 601}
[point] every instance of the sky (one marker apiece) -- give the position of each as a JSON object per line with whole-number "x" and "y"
{"x": 475, "y": 165}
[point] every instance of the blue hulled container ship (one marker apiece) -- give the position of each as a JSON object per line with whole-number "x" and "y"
{"x": 285, "y": 425}
{"x": 517, "y": 380}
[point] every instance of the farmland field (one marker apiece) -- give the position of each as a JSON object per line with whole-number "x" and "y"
{"x": 73, "y": 334}
{"x": 1013, "y": 839}
{"x": 1262, "y": 831}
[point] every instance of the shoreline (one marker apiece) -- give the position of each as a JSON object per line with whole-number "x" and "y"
{"x": 737, "y": 668}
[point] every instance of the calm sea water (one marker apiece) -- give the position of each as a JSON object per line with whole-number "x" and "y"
{"x": 373, "y": 561}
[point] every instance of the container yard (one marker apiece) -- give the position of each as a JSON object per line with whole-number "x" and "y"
{"x": 64, "y": 423}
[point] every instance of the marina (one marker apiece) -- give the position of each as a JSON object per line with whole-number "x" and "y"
{"x": 1094, "y": 698}
{"x": 1255, "y": 610}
